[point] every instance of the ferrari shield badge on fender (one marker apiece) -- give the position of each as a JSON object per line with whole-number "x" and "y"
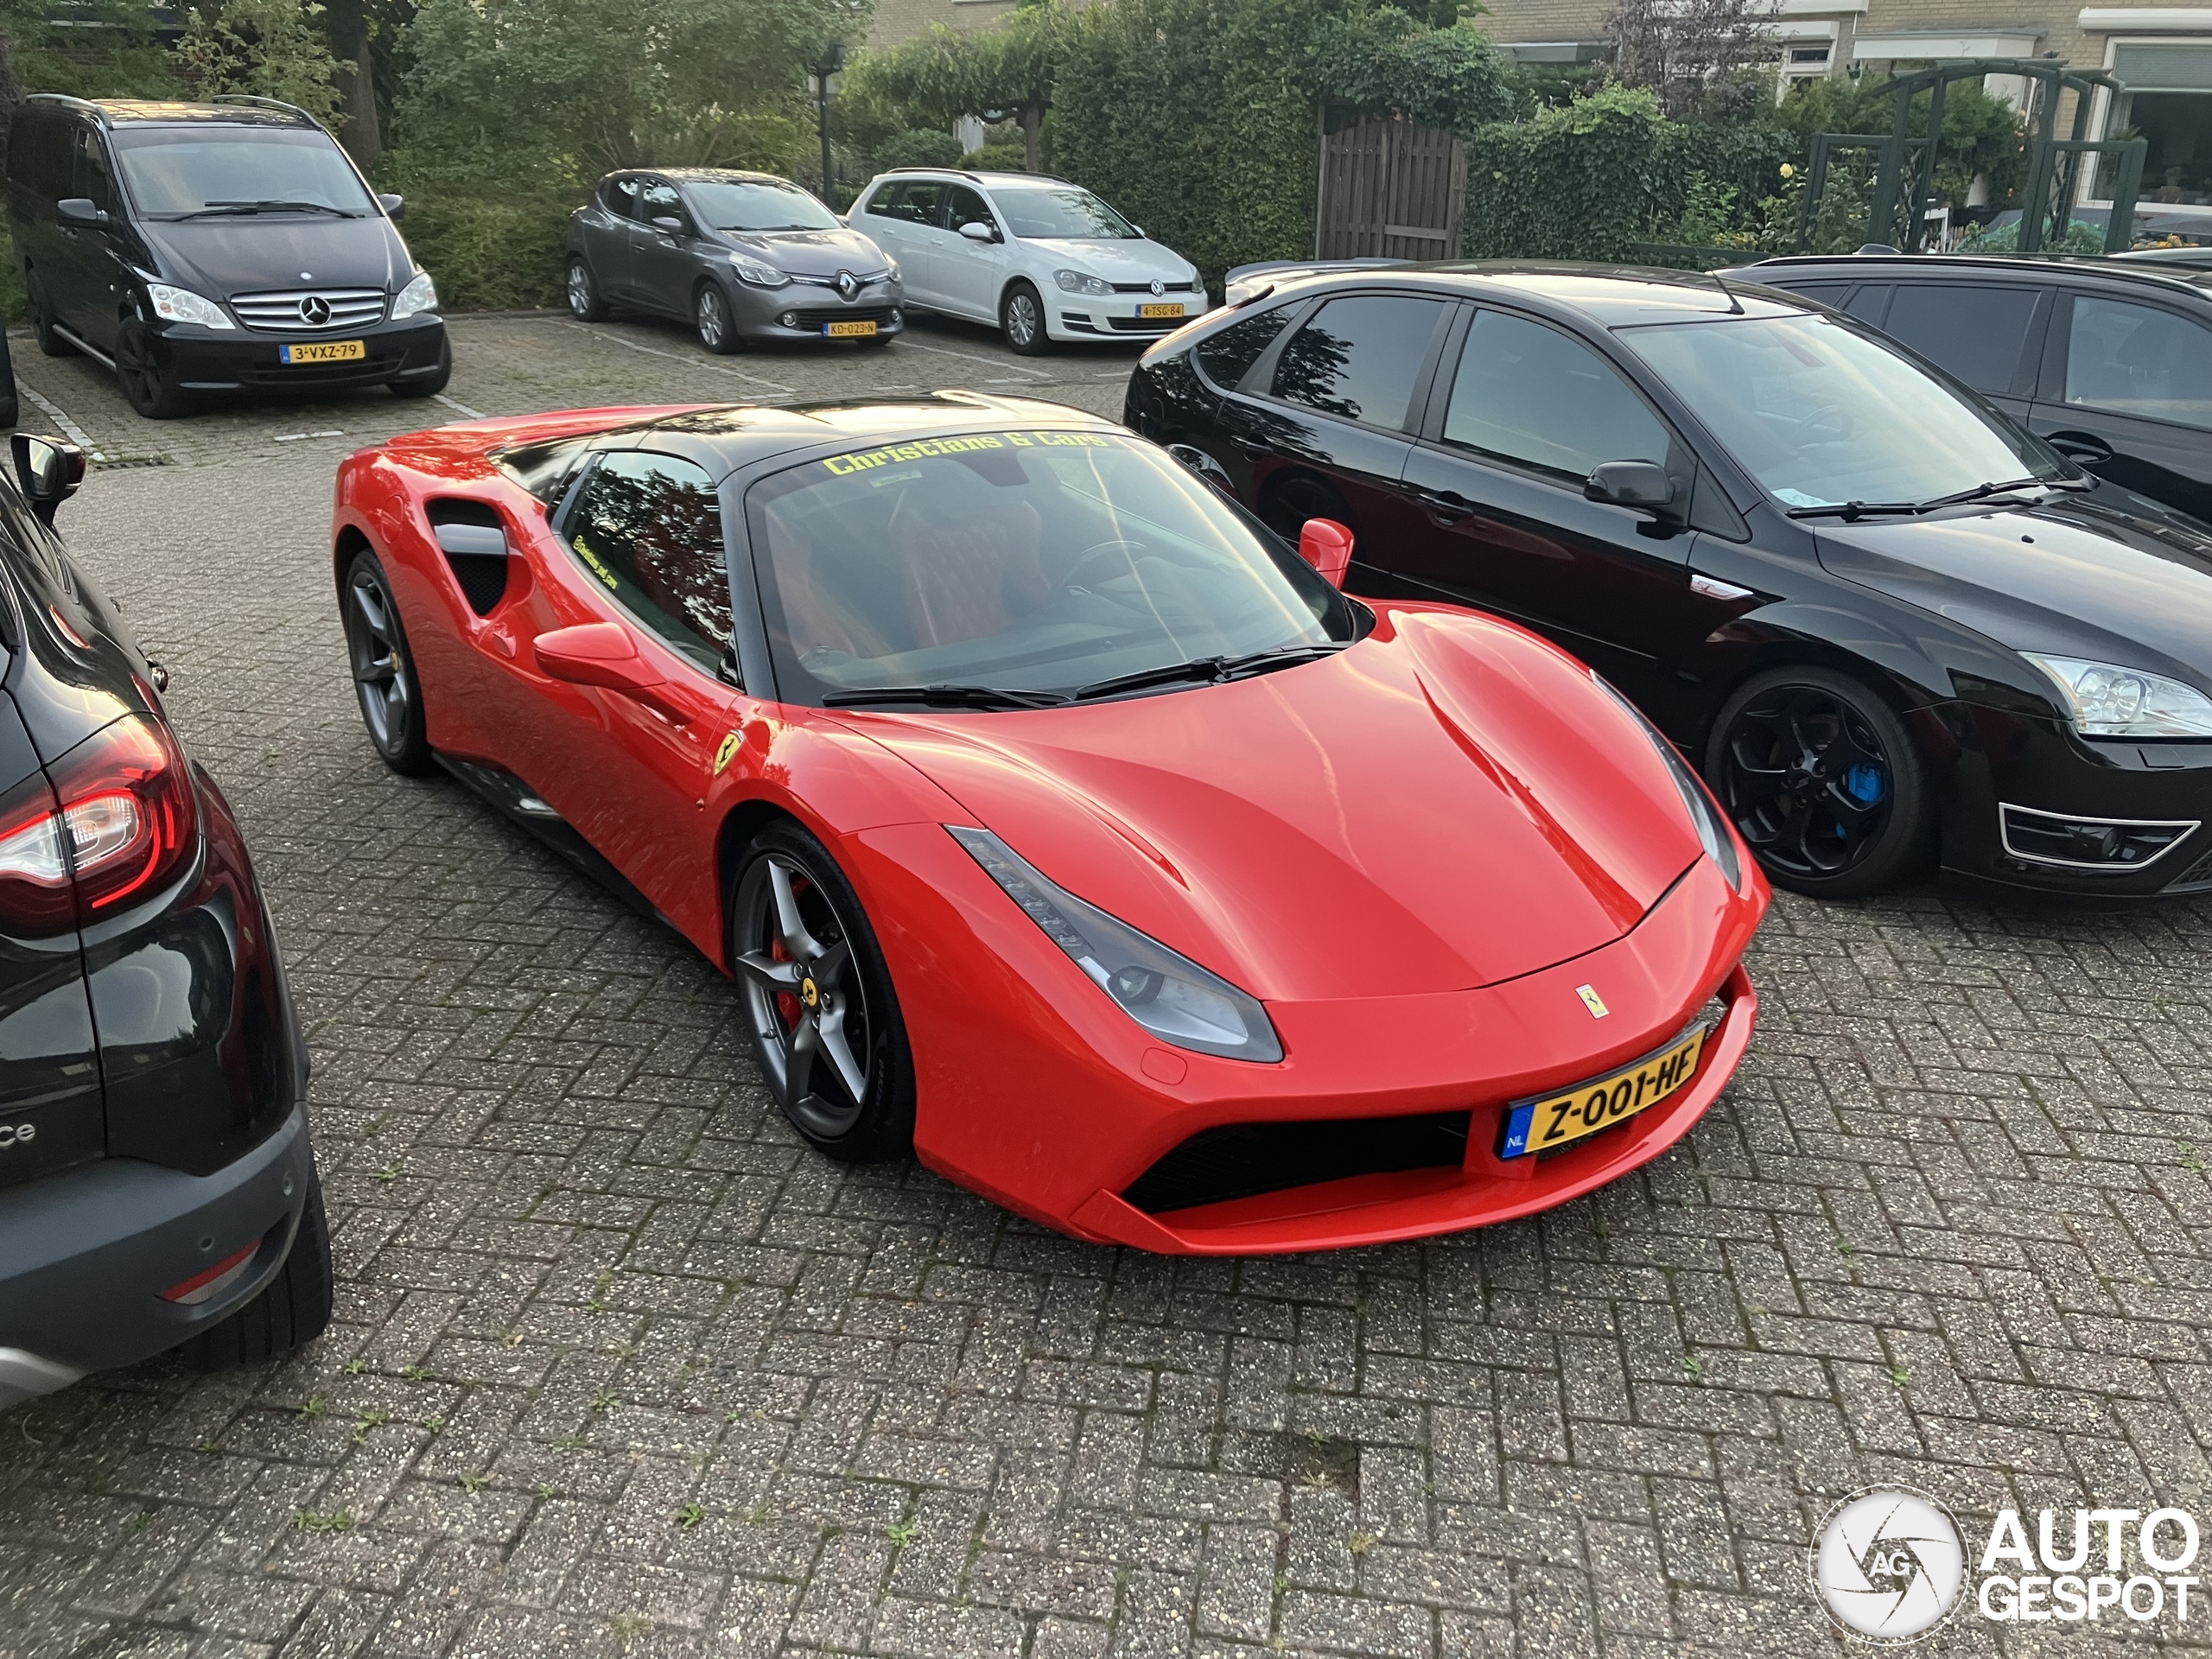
{"x": 726, "y": 753}
{"x": 1590, "y": 999}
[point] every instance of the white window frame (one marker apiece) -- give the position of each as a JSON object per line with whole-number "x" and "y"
{"x": 2101, "y": 113}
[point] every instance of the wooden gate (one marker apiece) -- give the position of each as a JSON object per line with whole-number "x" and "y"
{"x": 1391, "y": 189}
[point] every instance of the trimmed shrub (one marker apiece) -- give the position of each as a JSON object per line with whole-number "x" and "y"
{"x": 491, "y": 253}
{"x": 916, "y": 147}
{"x": 997, "y": 158}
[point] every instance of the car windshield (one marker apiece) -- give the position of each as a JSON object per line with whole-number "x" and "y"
{"x": 171, "y": 172}
{"x": 1066, "y": 212}
{"x": 1031, "y": 561}
{"x": 1821, "y": 416}
{"x": 757, "y": 204}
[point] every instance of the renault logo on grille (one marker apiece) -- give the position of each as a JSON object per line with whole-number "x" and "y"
{"x": 315, "y": 311}
{"x": 848, "y": 284}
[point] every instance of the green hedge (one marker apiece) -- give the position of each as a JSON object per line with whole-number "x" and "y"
{"x": 1591, "y": 181}
{"x": 491, "y": 253}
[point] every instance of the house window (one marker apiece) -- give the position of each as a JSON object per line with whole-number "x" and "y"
{"x": 1803, "y": 60}
{"x": 2168, "y": 102}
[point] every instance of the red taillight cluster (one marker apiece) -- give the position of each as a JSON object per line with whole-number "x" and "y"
{"x": 119, "y": 822}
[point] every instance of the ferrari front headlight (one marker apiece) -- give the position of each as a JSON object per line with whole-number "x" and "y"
{"x": 1705, "y": 812}
{"x": 2106, "y": 701}
{"x": 1167, "y": 994}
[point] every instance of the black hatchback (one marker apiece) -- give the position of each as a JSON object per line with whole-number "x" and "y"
{"x": 2110, "y": 361}
{"x": 157, "y": 1190}
{"x": 197, "y": 248}
{"x": 1892, "y": 625}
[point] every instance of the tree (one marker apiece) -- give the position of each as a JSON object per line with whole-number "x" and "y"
{"x": 1685, "y": 50}
{"x": 273, "y": 48}
{"x": 1012, "y": 69}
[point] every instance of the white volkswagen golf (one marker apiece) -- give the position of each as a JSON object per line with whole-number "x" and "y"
{"x": 1044, "y": 259}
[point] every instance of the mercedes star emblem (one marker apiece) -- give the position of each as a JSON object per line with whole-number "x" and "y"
{"x": 315, "y": 311}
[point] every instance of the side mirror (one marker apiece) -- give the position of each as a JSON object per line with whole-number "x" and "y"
{"x": 670, "y": 223}
{"x": 78, "y": 210}
{"x": 394, "y": 206}
{"x": 1640, "y": 484}
{"x": 601, "y": 653}
{"x": 1326, "y": 545}
{"x": 48, "y": 470}
{"x": 976, "y": 231}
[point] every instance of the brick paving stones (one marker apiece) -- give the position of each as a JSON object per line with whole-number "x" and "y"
{"x": 619, "y": 1368}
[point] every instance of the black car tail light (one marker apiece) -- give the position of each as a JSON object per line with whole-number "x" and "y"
{"x": 130, "y": 818}
{"x": 36, "y": 895}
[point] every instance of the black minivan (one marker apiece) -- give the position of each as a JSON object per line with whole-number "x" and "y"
{"x": 157, "y": 1186}
{"x": 216, "y": 247}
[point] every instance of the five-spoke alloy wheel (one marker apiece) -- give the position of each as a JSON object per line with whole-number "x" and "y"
{"x": 584, "y": 303}
{"x": 818, "y": 1000}
{"x": 1821, "y": 779}
{"x": 384, "y": 672}
{"x": 710, "y": 313}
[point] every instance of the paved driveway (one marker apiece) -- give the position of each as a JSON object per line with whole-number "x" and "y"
{"x": 619, "y": 1368}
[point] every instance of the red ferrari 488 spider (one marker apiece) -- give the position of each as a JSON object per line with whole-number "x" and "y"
{"x": 1060, "y": 823}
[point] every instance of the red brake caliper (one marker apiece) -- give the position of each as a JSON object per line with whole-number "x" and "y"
{"x": 787, "y": 1002}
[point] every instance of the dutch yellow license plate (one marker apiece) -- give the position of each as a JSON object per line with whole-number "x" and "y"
{"x": 848, "y": 330}
{"x": 1535, "y": 1126}
{"x": 325, "y": 351}
{"x": 1173, "y": 309}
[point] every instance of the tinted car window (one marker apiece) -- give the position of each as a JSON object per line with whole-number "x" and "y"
{"x": 1869, "y": 302}
{"x": 659, "y": 199}
{"x": 93, "y": 180}
{"x": 1975, "y": 331}
{"x": 2136, "y": 359}
{"x": 650, "y": 529}
{"x": 174, "y": 170}
{"x": 920, "y": 202}
{"x": 621, "y": 197}
{"x": 967, "y": 208}
{"x": 1530, "y": 394}
{"x": 1825, "y": 293}
{"x": 1035, "y": 560}
{"x": 1225, "y": 356}
{"x": 1357, "y": 357}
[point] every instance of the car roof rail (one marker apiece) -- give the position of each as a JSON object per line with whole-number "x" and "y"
{"x": 249, "y": 100}
{"x": 69, "y": 101}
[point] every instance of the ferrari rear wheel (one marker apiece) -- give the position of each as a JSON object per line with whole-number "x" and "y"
{"x": 384, "y": 670}
{"x": 818, "y": 1001}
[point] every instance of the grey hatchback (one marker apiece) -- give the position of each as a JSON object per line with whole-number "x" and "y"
{"x": 741, "y": 257}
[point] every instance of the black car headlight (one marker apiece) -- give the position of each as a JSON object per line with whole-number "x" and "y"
{"x": 1167, "y": 992}
{"x": 1705, "y": 812}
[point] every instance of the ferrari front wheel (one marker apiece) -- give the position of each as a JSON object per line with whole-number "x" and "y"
{"x": 818, "y": 1001}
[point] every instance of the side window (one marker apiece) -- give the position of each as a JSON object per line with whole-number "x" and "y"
{"x": 93, "y": 179}
{"x": 621, "y": 197}
{"x": 967, "y": 207}
{"x": 1531, "y": 394}
{"x": 920, "y": 202}
{"x": 1227, "y": 355}
{"x": 1822, "y": 293}
{"x": 649, "y": 528}
{"x": 659, "y": 199}
{"x": 1975, "y": 331}
{"x": 1357, "y": 357}
{"x": 884, "y": 202}
{"x": 23, "y": 142}
{"x": 1869, "y": 302}
{"x": 2135, "y": 360}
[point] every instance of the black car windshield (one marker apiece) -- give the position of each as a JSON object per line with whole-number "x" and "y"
{"x": 1023, "y": 561}
{"x": 1820, "y": 414}
{"x": 173, "y": 171}
{"x": 757, "y": 204}
{"x": 1031, "y": 211}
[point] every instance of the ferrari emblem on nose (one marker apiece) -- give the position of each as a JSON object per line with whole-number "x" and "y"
{"x": 1591, "y": 1001}
{"x": 725, "y": 755}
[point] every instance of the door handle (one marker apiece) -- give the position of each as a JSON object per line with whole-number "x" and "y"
{"x": 1448, "y": 505}
{"x": 2085, "y": 447}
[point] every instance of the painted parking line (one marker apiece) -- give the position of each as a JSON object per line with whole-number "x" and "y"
{"x": 70, "y": 429}
{"x": 460, "y": 408}
{"x": 680, "y": 357}
{"x": 909, "y": 341}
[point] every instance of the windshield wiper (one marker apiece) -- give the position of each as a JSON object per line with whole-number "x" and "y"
{"x": 223, "y": 207}
{"x": 1984, "y": 491}
{"x": 1848, "y": 511}
{"x": 1208, "y": 670}
{"x": 947, "y": 696}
